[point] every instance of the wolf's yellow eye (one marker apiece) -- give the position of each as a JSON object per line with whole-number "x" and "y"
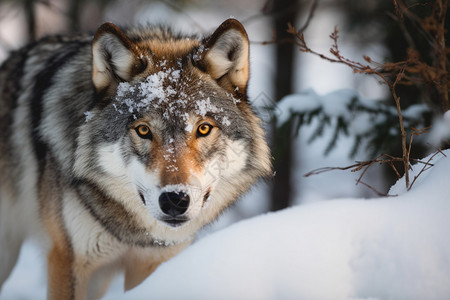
{"x": 204, "y": 129}
{"x": 144, "y": 132}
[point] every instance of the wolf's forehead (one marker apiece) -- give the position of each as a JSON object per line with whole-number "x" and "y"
{"x": 160, "y": 42}
{"x": 165, "y": 90}
{"x": 174, "y": 97}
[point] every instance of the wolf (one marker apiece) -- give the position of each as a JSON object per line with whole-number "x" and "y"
{"x": 115, "y": 149}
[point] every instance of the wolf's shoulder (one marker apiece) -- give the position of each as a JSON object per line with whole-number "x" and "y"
{"x": 44, "y": 48}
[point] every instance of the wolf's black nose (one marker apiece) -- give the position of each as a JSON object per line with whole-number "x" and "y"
{"x": 174, "y": 204}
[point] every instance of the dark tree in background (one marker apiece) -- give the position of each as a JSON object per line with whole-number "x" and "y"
{"x": 77, "y": 22}
{"x": 30, "y": 13}
{"x": 284, "y": 12}
{"x": 73, "y": 14}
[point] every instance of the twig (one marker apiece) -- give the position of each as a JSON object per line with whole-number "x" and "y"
{"x": 405, "y": 151}
{"x": 401, "y": 21}
{"x": 326, "y": 169}
{"x": 358, "y": 67}
{"x": 301, "y": 30}
{"x": 358, "y": 165}
{"x": 426, "y": 166}
{"x": 391, "y": 164}
{"x": 375, "y": 191}
{"x": 411, "y": 71}
{"x": 310, "y": 16}
{"x": 381, "y": 159}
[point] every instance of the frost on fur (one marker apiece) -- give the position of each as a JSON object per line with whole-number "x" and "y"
{"x": 157, "y": 91}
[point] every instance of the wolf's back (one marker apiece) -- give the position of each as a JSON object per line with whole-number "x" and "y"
{"x": 42, "y": 88}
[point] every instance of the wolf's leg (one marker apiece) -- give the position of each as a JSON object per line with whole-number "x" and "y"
{"x": 60, "y": 283}
{"x": 137, "y": 270}
{"x": 141, "y": 262}
{"x": 11, "y": 237}
{"x": 100, "y": 281}
{"x": 64, "y": 280}
{"x": 68, "y": 275}
{"x": 72, "y": 277}
{"x": 9, "y": 252}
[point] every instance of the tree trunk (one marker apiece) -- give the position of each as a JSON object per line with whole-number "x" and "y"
{"x": 74, "y": 15}
{"x": 284, "y": 13}
{"x": 30, "y": 15}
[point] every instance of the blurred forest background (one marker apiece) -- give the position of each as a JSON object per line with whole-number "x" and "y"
{"x": 414, "y": 32}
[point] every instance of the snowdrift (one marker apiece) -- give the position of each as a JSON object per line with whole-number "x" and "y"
{"x": 388, "y": 248}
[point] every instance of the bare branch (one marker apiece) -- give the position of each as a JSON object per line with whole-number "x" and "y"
{"x": 411, "y": 71}
{"x": 310, "y": 16}
{"x": 375, "y": 191}
{"x": 426, "y": 166}
{"x": 300, "y": 31}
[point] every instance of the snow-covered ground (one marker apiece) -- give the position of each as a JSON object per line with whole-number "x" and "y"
{"x": 386, "y": 248}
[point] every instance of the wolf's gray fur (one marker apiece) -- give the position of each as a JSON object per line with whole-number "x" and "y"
{"x": 75, "y": 165}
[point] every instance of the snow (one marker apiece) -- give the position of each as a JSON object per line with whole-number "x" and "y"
{"x": 150, "y": 93}
{"x": 226, "y": 121}
{"x": 204, "y": 106}
{"x": 307, "y": 101}
{"x": 333, "y": 104}
{"x": 176, "y": 188}
{"x": 157, "y": 91}
{"x": 359, "y": 114}
{"x": 415, "y": 110}
{"x": 440, "y": 131}
{"x": 198, "y": 55}
{"x": 88, "y": 116}
{"x": 447, "y": 117}
{"x": 362, "y": 123}
{"x": 384, "y": 248}
{"x": 189, "y": 126}
{"x": 390, "y": 248}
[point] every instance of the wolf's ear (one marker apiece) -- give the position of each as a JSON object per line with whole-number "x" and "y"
{"x": 226, "y": 56}
{"x": 115, "y": 58}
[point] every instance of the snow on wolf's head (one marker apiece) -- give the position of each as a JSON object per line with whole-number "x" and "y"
{"x": 172, "y": 137}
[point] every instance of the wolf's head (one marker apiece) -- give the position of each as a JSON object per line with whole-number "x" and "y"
{"x": 172, "y": 139}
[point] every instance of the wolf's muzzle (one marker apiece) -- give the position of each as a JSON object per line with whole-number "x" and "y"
{"x": 174, "y": 204}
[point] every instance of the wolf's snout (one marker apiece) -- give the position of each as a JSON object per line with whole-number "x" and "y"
{"x": 174, "y": 204}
